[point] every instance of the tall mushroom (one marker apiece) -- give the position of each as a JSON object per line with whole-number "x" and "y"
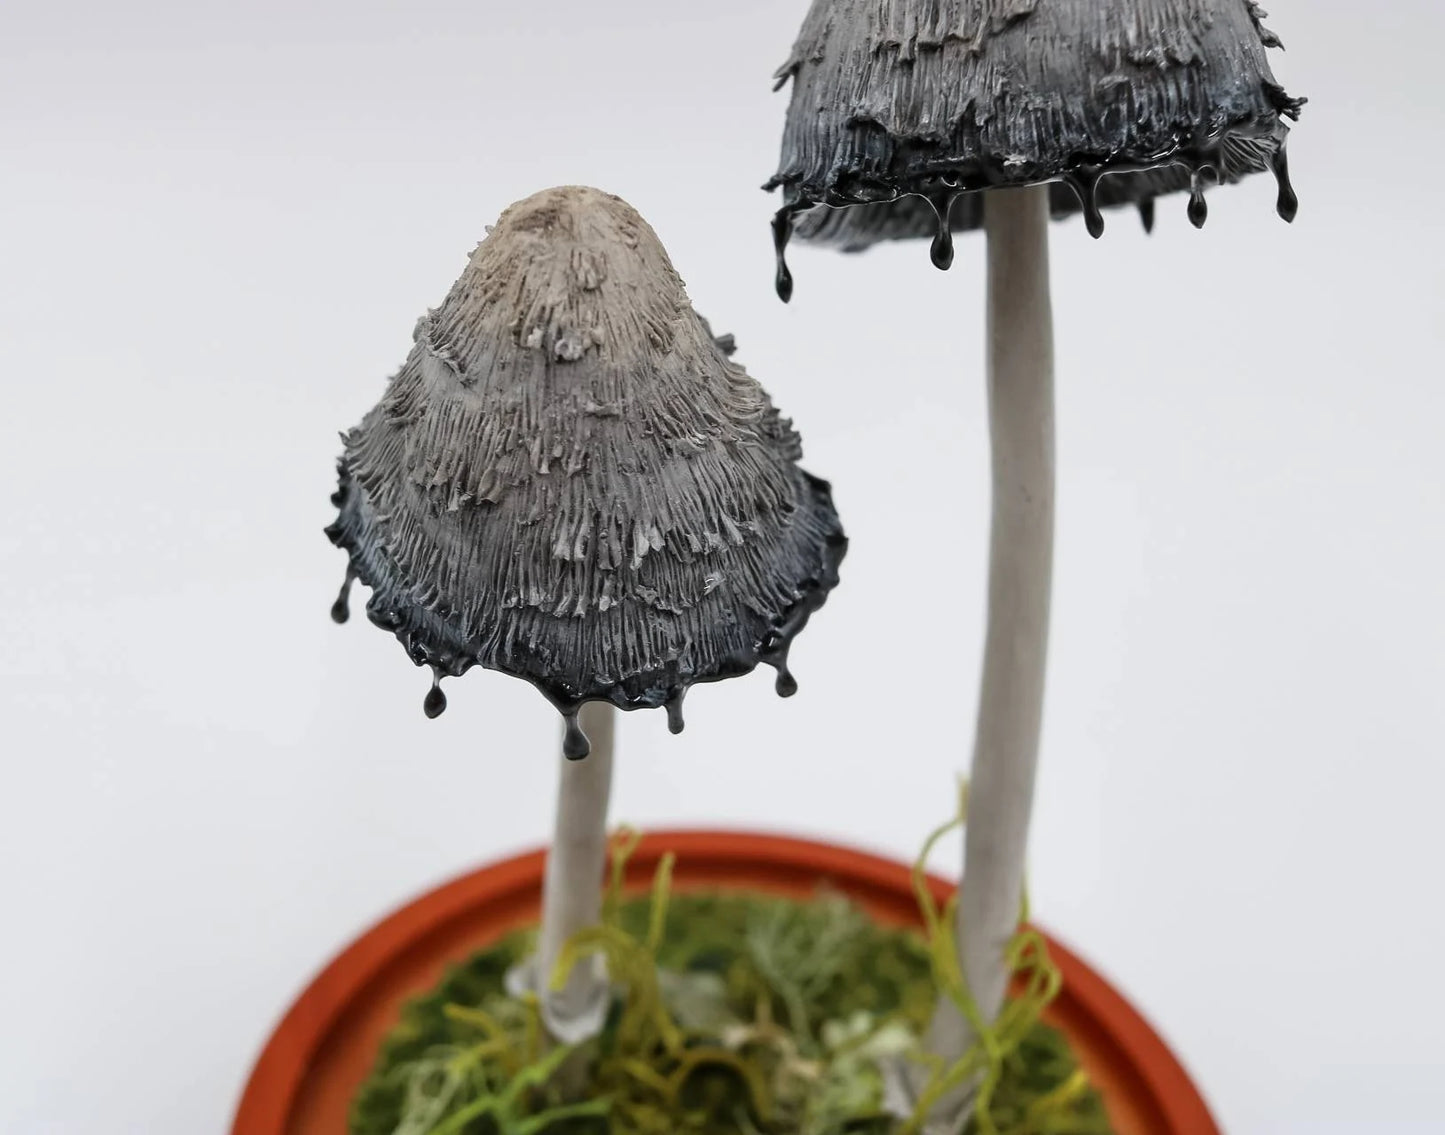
{"x": 925, "y": 117}
{"x": 568, "y": 481}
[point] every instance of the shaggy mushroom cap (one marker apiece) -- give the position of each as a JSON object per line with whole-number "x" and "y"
{"x": 569, "y": 481}
{"x": 904, "y": 108}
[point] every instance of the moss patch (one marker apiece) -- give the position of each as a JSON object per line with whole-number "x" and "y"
{"x": 742, "y": 1015}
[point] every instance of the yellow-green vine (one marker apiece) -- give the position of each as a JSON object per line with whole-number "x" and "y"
{"x": 733, "y": 1014}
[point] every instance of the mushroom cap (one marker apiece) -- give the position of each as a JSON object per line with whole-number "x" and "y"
{"x": 903, "y": 108}
{"x": 569, "y": 481}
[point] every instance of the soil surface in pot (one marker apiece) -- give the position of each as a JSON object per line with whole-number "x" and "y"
{"x": 737, "y": 1014}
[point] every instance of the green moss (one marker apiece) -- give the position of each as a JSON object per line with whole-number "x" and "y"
{"x": 742, "y": 1015}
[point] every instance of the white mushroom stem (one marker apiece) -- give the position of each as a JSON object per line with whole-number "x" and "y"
{"x": 1006, "y": 746}
{"x": 572, "y": 886}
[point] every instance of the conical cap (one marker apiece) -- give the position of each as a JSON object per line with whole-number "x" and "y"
{"x": 569, "y": 481}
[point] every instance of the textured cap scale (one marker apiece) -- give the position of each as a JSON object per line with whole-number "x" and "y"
{"x": 569, "y": 481}
{"x": 1119, "y": 101}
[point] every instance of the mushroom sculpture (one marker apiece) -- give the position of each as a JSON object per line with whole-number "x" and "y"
{"x": 920, "y": 118}
{"x": 568, "y": 481}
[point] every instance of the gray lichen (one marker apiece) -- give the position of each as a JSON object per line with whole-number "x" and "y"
{"x": 904, "y": 108}
{"x": 569, "y": 481}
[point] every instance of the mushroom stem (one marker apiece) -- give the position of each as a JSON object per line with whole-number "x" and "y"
{"x": 572, "y": 885}
{"x": 1006, "y": 745}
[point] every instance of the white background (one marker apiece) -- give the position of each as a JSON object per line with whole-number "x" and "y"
{"x": 217, "y": 226}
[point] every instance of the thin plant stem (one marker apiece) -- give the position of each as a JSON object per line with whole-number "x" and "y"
{"x": 572, "y": 884}
{"x": 1005, "y": 757}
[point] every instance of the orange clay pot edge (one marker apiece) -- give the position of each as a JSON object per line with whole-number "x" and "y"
{"x": 1141, "y": 1078}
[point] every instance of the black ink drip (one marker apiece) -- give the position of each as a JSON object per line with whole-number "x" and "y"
{"x": 1085, "y": 184}
{"x": 1288, "y": 204}
{"x": 1146, "y": 214}
{"x": 575, "y": 746}
{"x": 782, "y": 233}
{"x": 775, "y": 651}
{"x": 941, "y": 251}
{"x": 436, "y": 701}
{"x": 675, "y": 723}
{"x": 1198, "y": 206}
{"x": 341, "y": 609}
{"x": 786, "y": 685}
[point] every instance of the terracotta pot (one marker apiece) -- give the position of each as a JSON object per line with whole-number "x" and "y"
{"x": 325, "y": 1046}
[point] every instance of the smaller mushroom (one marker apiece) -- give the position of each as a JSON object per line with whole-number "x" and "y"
{"x": 568, "y": 481}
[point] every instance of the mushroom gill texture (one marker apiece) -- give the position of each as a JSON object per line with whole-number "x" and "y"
{"x": 568, "y": 480}
{"x": 904, "y": 108}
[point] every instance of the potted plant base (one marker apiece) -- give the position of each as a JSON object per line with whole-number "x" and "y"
{"x": 323, "y": 1056}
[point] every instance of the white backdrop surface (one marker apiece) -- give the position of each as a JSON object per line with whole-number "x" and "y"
{"x": 217, "y": 226}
